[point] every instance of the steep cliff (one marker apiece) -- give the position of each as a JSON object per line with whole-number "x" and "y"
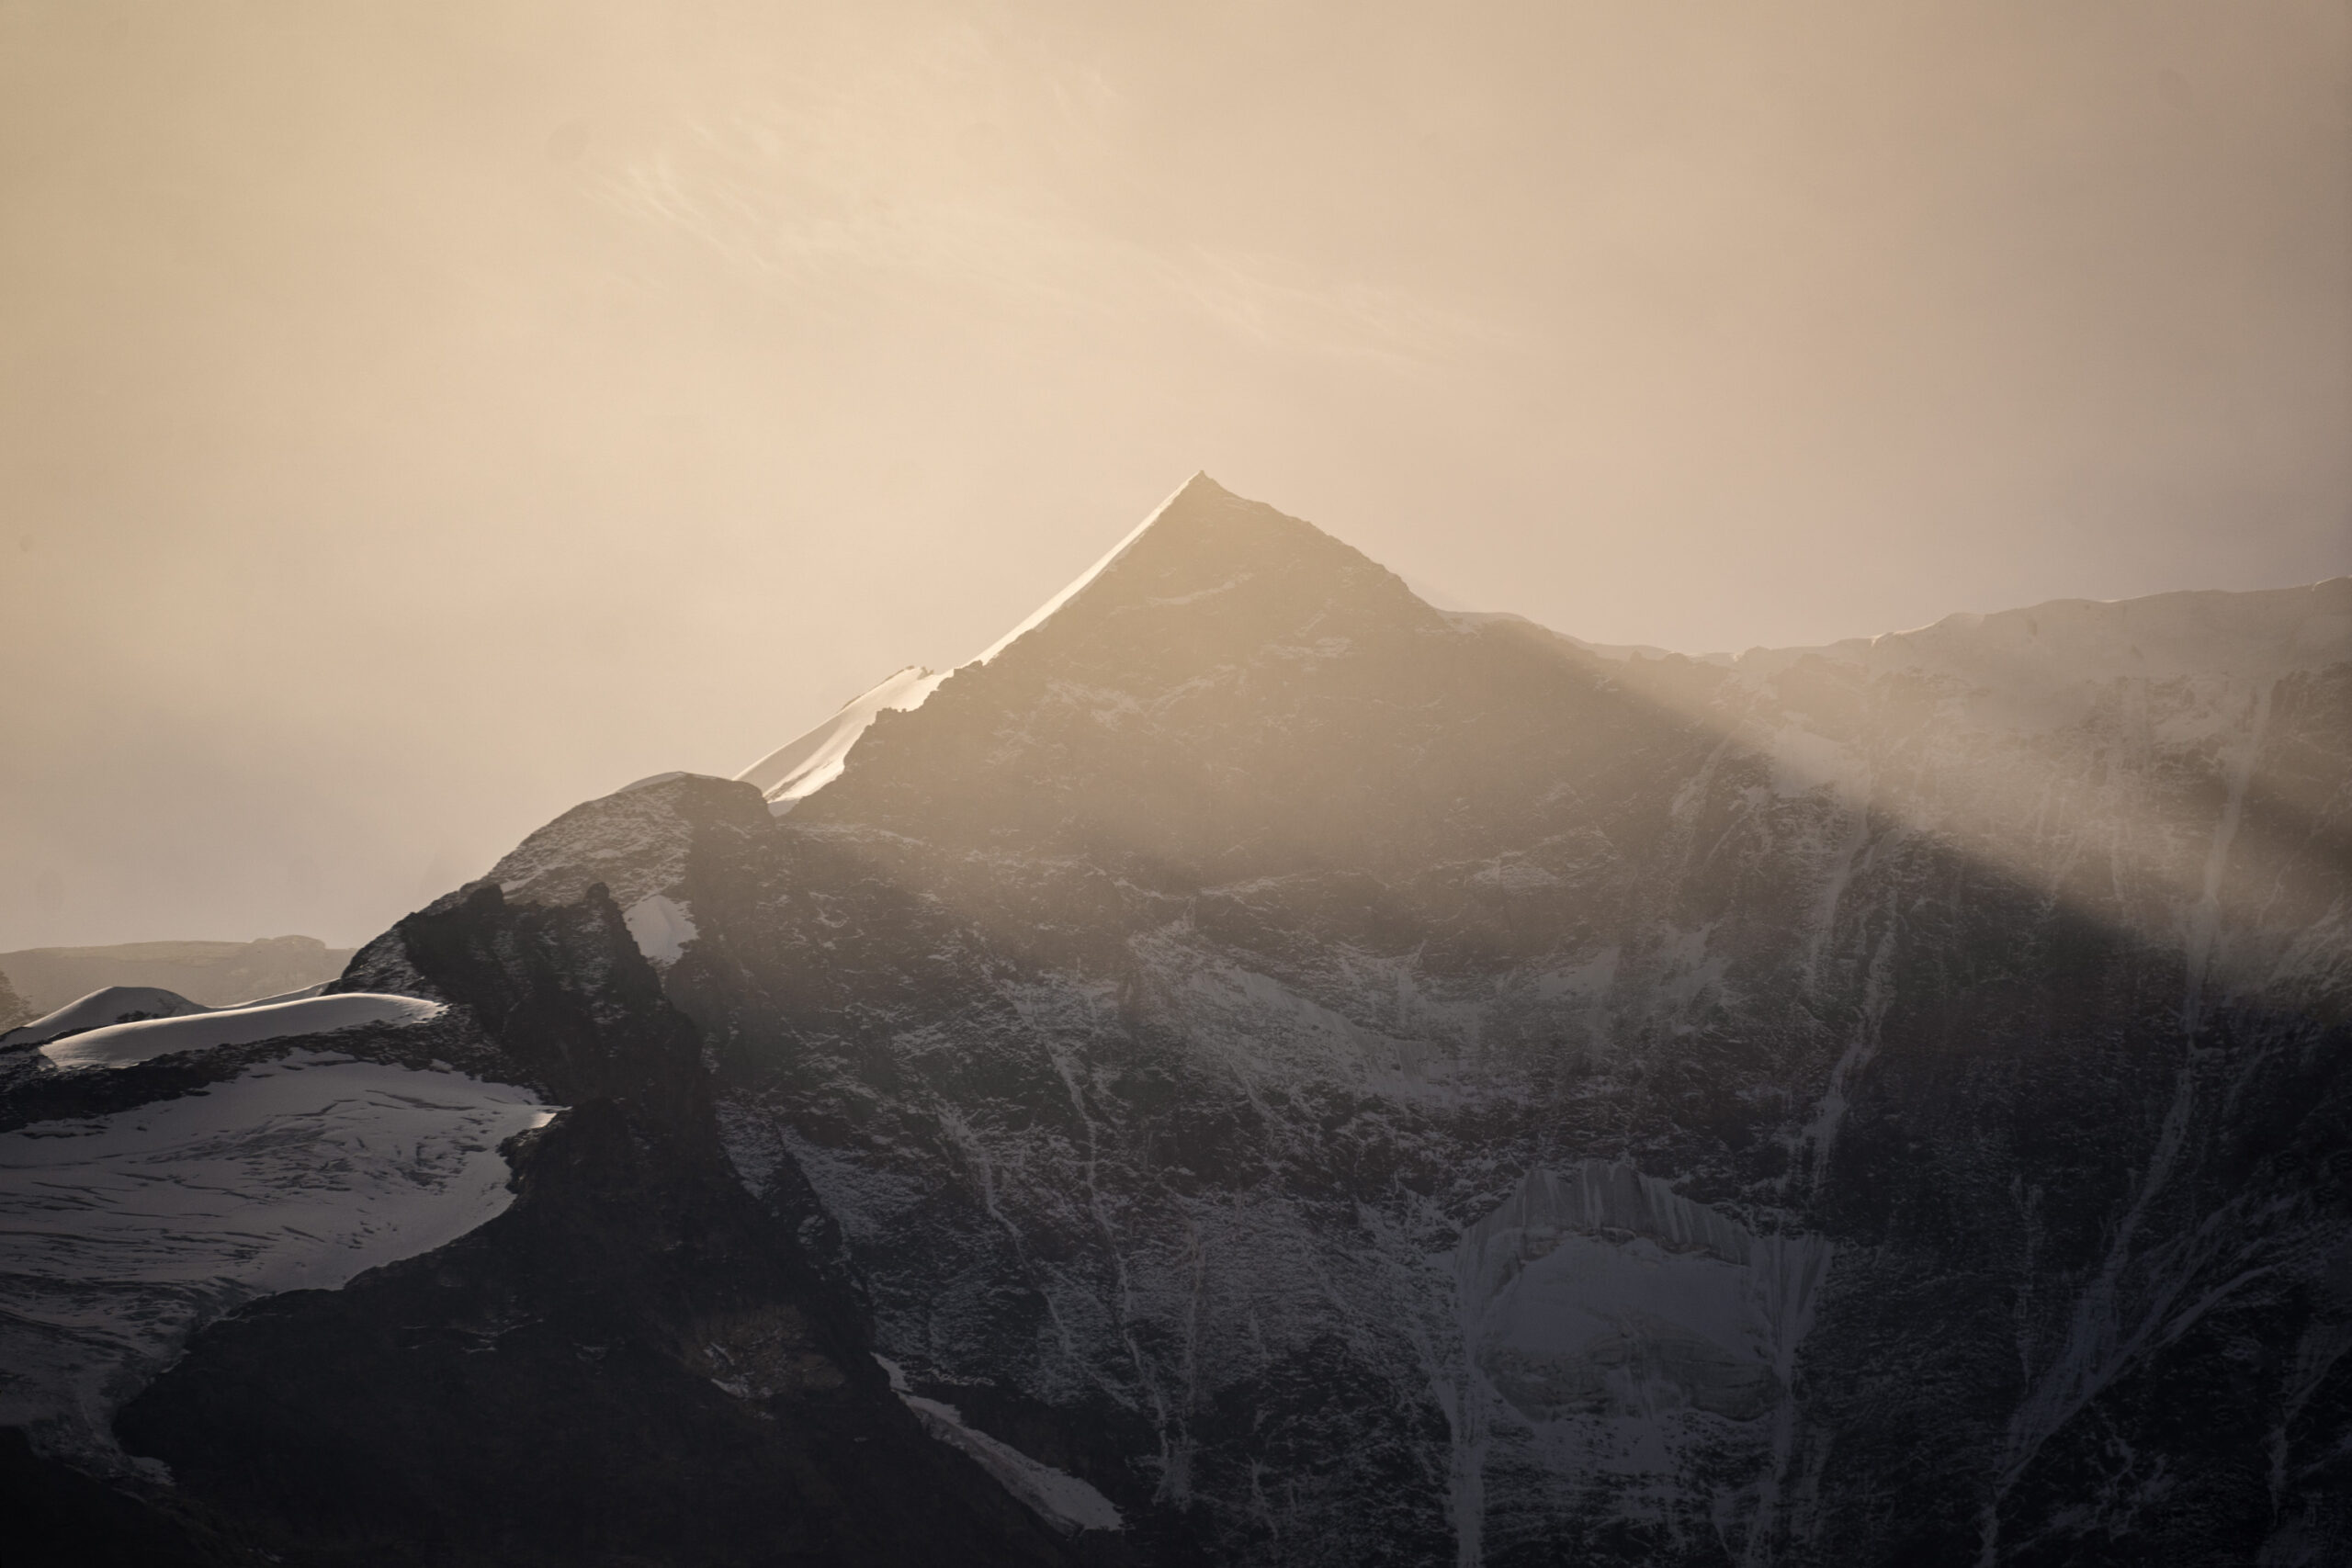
{"x": 1359, "y": 1084}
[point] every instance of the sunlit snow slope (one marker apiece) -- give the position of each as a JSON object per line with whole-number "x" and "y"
{"x": 105, "y": 1006}
{"x": 124, "y": 1233}
{"x": 809, "y": 762}
{"x": 127, "y": 1044}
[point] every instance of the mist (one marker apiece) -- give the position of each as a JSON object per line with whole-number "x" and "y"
{"x": 413, "y": 422}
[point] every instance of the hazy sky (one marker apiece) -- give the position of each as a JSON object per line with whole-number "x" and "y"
{"x": 415, "y": 418}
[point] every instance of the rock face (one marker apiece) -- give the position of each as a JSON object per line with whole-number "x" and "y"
{"x": 1278, "y": 1074}
{"x": 476, "y": 1328}
{"x": 1357, "y": 1084}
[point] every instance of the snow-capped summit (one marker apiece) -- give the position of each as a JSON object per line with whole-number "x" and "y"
{"x": 1198, "y": 492}
{"x": 1200, "y": 525}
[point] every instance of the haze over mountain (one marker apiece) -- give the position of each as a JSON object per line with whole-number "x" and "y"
{"x": 1257, "y": 1069}
{"x": 413, "y": 420}
{"x": 214, "y": 973}
{"x": 1310, "y": 1050}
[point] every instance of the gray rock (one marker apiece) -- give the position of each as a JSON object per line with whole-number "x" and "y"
{"x": 1377, "y": 1086}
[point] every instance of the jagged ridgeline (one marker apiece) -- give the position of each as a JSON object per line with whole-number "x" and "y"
{"x": 1254, "y": 1069}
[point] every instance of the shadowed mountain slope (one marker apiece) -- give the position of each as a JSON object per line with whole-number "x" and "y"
{"x": 1154, "y": 1018}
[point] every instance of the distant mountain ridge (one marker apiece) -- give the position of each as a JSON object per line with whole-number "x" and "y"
{"x": 212, "y": 973}
{"x": 2250, "y": 633}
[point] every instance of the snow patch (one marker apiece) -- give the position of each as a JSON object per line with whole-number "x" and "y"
{"x": 110, "y": 1004}
{"x": 125, "y": 1045}
{"x": 128, "y": 1233}
{"x": 661, "y": 927}
{"x": 807, "y": 764}
{"x": 1059, "y": 1497}
{"x": 308, "y": 991}
{"x": 1078, "y": 585}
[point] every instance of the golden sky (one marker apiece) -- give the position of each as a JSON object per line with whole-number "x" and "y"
{"x": 415, "y": 418}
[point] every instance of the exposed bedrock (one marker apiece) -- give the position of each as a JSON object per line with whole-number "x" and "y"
{"x": 1363, "y": 1085}
{"x": 629, "y": 1363}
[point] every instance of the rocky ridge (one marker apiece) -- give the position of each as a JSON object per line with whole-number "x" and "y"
{"x": 1157, "y": 1025}
{"x": 1333, "y": 1081}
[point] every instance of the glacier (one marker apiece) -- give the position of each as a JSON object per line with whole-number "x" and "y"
{"x": 128, "y": 1233}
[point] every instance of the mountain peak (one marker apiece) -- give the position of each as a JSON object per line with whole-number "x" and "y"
{"x": 1205, "y": 570}
{"x": 1207, "y": 579}
{"x": 1196, "y": 497}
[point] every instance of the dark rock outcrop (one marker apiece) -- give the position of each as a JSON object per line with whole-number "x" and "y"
{"x": 629, "y": 1364}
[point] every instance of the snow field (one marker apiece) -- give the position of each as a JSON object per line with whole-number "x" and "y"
{"x": 122, "y": 1236}
{"x": 125, "y": 1045}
